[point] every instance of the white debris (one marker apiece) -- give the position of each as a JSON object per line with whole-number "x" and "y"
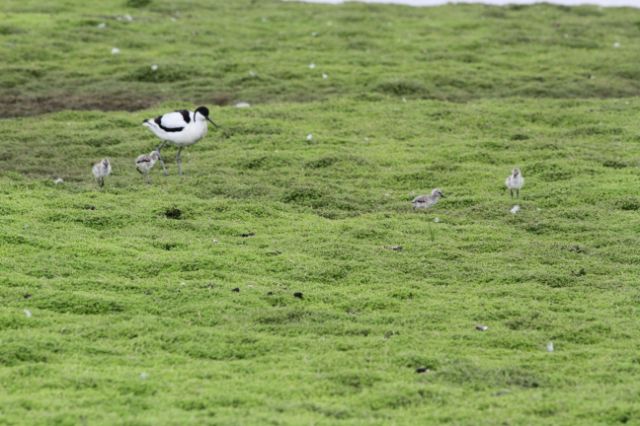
{"x": 616, "y": 45}
{"x": 515, "y": 209}
{"x": 128, "y": 18}
{"x": 312, "y": 66}
{"x": 215, "y": 241}
{"x": 252, "y": 74}
{"x": 27, "y": 313}
{"x": 144, "y": 376}
{"x": 324, "y": 76}
{"x": 115, "y": 51}
{"x": 102, "y": 25}
{"x": 436, "y": 220}
{"x": 480, "y": 327}
{"x": 243, "y": 105}
{"x": 154, "y": 67}
{"x": 550, "y": 347}
{"x": 309, "y": 137}
{"x": 58, "y": 181}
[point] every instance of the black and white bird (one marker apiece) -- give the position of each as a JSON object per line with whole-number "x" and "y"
{"x": 145, "y": 162}
{"x": 101, "y": 170}
{"x": 426, "y": 201}
{"x": 180, "y": 128}
{"x": 514, "y": 182}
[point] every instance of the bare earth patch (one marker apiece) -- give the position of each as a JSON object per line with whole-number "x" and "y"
{"x": 19, "y": 104}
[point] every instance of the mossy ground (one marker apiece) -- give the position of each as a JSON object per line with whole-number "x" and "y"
{"x": 134, "y": 318}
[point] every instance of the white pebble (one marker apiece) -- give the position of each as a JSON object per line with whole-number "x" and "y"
{"x": 309, "y": 137}
{"x": 324, "y": 76}
{"x": 102, "y": 25}
{"x": 215, "y": 241}
{"x": 154, "y": 67}
{"x": 436, "y": 220}
{"x": 252, "y": 74}
{"x": 243, "y": 105}
{"x": 312, "y": 66}
{"x": 515, "y": 209}
{"x": 616, "y": 45}
{"x": 58, "y": 181}
{"x": 128, "y": 18}
{"x": 144, "y": 376}
{"x": 115, "y": 51}
{"x": 550, "y": 347}
{"x": 27, "y": 313}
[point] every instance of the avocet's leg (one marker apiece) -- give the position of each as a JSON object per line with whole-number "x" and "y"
{"x": 147, "y": 179}
{"x": 517, "y": 193}
{"x": 100, "y": 182}
{"x": 511, "y": 192}
{"x": 179, "y": 161}
{"x": 164, "y": 169}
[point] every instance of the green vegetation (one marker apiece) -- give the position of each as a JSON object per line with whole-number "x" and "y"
{"x": 133, "y": 315}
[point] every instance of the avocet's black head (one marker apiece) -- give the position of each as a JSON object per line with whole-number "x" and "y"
{"x": 204, "y": 111}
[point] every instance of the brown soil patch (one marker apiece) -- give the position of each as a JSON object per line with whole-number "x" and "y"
{"x": 19, "y": 105}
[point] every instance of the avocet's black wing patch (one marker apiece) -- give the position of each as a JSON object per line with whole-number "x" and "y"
{"x": 185, "y": 116}
{"x": 172, "y": 122}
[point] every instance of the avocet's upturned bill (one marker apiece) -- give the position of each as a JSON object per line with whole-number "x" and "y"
{"x": 180, "y": 128}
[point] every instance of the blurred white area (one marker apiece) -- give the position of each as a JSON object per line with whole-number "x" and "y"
{"x": 607, "y": 3}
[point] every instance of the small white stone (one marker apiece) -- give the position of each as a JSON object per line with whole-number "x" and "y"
{"x": 324, "y": 76}
{"x": 312, "y": 66}
{"x": 252, "y": 74}
{"x": 27, "y": 313}
{"x": 115, "y": 51}
{"x": 243, "y": 105}
{"x": 515, "y": 209}
{"x": 215, "y": 241}
{"x": 154, "y": 67}
{"x": 436, "y": 220}
{"x": 309, "y": 137}
{"x": 550, "y": 347}
{"x": 128, "y": 18}
{"x": 102, "y": 25}
{"x": 616, "y": 45}
{"x": 58, "y": 181}
{"x": 144, "y": 376}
